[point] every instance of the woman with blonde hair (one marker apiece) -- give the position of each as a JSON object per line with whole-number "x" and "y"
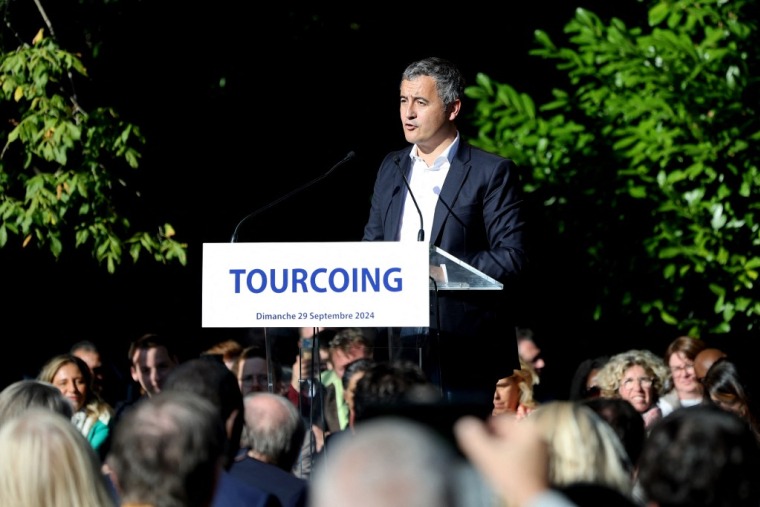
{"x": 637, "y": 376}
{"x": 583, "y": 447}
{"x": 47, "y": 462}
{"x": 92, "y": 416}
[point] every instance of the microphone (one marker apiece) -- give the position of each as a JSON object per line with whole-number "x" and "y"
{"x": 421, "y": 234}
{"x": 348, "y": 157}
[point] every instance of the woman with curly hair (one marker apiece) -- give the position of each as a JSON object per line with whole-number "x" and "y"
{"x": 637, "y": 376}
{"x": 92, "y": 416}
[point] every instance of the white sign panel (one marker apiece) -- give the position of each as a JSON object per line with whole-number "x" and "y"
{"x": 337, "y": 284}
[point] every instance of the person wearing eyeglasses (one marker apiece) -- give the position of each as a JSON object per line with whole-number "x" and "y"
{"x": 250, "y": 368}
{"x": 685, "y": 390}
{"x": 637, "y": 376}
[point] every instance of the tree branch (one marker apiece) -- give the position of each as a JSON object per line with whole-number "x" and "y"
{"x": 73, "y": 97}
{"x": 44, "y": 16}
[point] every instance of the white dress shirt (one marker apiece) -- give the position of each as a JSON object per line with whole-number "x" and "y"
{"x": 426, "y": 183}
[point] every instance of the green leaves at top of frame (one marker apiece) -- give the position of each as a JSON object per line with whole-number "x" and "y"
{"x": 32, "y": 68}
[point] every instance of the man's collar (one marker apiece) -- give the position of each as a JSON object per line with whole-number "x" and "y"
{"x": 448, "y": 154}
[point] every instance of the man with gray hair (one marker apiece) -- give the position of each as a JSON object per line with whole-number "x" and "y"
{"x": 275, "y": 434}
{"x": 167, "y": 451}
{"x": 23, "y": 395}
{"x": 395, "y": 460}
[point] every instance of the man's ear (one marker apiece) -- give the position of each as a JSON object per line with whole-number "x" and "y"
{"x": 454, "y": 109}
{"x": 233, "y": 420}
{"x": 114, "y": 479}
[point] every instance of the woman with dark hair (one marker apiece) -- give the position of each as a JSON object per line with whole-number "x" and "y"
{"x": 728, "y": 385}
{"x": 584, "y": 384}
{"x": 92, "y": 416}
{"x": 625, "y": 420}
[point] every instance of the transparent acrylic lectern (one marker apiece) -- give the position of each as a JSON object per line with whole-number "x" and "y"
{"x": 449, "y": 273}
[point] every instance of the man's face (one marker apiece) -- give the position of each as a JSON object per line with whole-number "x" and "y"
{"x": 506, "y": 397}
{"x": 340, "y": 359}
{"x": 531, "y": 354}
{"x": 252, "y": 375}
{"x": 684, "y": 377}
{"x": 150, "y": 367}
{"x": 636, "y": 388}
{"x": 426, "y": 123}
{"x": 92, "y": 359}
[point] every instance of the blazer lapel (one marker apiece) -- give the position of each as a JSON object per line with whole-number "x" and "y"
{"x": 456, "y": 177}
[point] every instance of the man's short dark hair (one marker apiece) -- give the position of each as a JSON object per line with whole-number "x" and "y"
{"x": 357, "y": 365}
{"x": 254, "y": 351}
{"x": 524, "y": 333}
{"x": 149, "y": 341}
{"x": 449, "y": 81}
{"x": 84, "y": 345}
{"x": 214, "y": 382}
{"x": 167, "y": 451}
{"x": 387, "y": 384}
{"x": 349, "y": 338}
{"x": 701, "y": 456}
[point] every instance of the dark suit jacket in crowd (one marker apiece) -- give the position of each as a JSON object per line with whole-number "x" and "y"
{"x": 232, "y": 492}
{"x": 479, "y": 219}
{"x": 291, "y": 491}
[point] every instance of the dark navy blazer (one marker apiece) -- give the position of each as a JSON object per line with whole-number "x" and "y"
{"x": 479, "y": 218}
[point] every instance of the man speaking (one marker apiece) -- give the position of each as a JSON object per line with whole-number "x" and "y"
{"x": 468, "y": 203}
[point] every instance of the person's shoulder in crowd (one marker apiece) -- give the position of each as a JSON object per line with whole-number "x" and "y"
{"x": 291, "y": 491}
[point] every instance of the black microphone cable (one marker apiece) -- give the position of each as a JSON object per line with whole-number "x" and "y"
{"x": 421, "y": 234}
{"x": 348, "y": 157}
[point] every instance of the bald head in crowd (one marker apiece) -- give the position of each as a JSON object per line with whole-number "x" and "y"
{"x": 276, "y": 430}
{"x": 705, "y": 359}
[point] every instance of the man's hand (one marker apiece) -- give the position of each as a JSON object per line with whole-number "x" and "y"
{"x": 510, "y": 454}
{"x": 300, "y": 372}
{"x": 437, "y": 274}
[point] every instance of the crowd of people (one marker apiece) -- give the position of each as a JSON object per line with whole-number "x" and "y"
{"x": 342, "y": 425}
